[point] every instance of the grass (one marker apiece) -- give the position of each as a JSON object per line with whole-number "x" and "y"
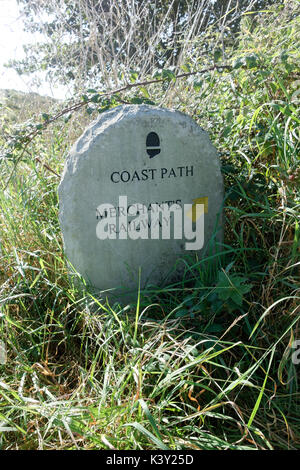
{"x": 203, "y": 363}
{"x": 178, "y": 371}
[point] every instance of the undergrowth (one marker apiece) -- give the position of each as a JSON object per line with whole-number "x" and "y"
{"x": 203, "y": 363}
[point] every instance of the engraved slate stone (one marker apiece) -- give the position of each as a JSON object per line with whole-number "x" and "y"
{"x": 150, "y": 156}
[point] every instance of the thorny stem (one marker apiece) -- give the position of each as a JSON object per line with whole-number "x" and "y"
{"x": 31, "y": 135}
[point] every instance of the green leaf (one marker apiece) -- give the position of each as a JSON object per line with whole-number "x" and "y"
{"x": 168, "y": 75}
{"x": 217, "y": 55}
{"x": 186, "y": 68}
{"x": 95, "y": 98}
{"x": 145, "y": 92}
{"x": 238, "y": 63}
{"x": 232, "y": 287}
{"x": 68, "y": 117}
{"x": 150, "y": 418}
{"x": 251, "y": 61}
{"x": 137, "y": 100}
{"x": 215, "y": 328}
{"x": 134, "y": 77}
{"x": 148, "y": 434}
{"x": 197, "y": 85}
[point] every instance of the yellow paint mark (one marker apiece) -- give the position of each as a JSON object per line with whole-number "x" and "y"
{"x": 197, "y": 210}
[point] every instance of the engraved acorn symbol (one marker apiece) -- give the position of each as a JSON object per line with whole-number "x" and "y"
{"x": 152, "y": 144}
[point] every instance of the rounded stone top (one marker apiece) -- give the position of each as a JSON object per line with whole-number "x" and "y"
{"x": 147, "y": 155}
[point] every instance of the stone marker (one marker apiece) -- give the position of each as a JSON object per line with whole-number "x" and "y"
{"x": 129, "y": 158}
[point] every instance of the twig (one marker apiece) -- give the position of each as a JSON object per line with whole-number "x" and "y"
{"x": 31, "y": 135}
{"x": 47, "y": 166}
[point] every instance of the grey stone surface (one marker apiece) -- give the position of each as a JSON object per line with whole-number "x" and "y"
{"x": 114, "y": 148}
